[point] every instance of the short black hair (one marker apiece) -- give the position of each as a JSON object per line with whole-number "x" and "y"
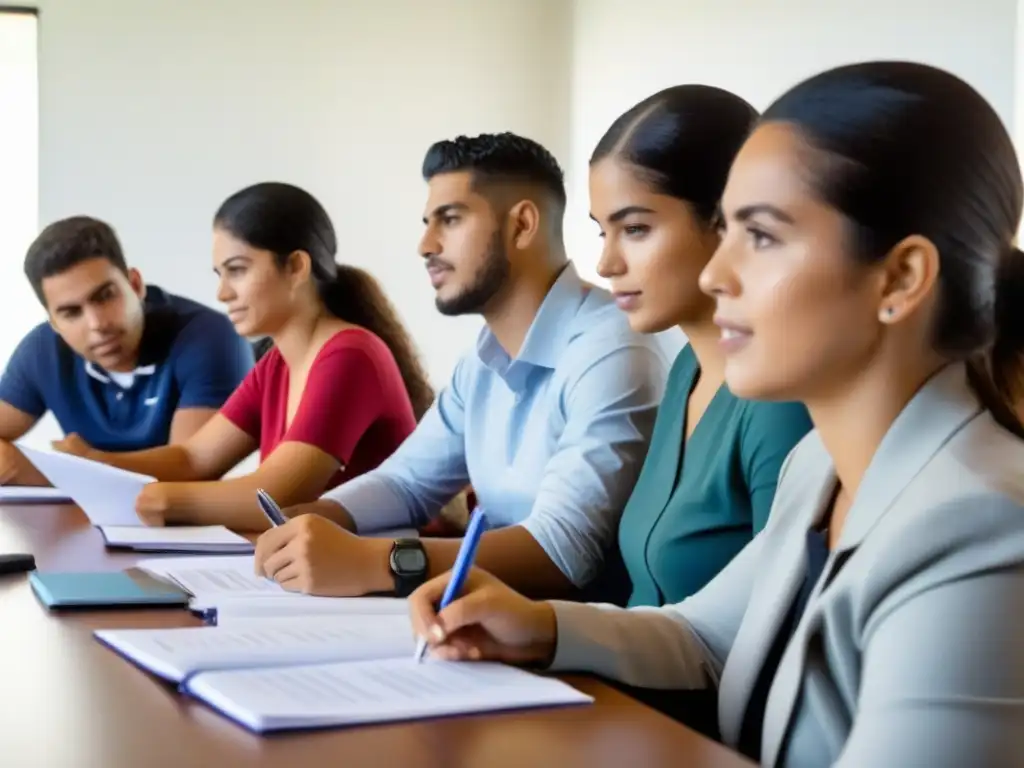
{"x": 496, "y": 158}
{"x": 68, "y": 242}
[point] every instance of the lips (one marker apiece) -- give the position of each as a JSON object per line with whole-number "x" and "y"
{"x": 437, "y": 273}
{"x": 734, "y": 335}
{"x": 107, "y": 347}
{"x": 627, "y": 300}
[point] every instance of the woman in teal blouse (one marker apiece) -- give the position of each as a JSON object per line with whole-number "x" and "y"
{"x": 707, "y": 485}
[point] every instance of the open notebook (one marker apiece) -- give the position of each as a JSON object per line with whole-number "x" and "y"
{"x": 286, "y": 674}
{"x": 176, "y": 653}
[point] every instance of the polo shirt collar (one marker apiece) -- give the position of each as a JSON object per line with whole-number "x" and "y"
{"x": 549, "y": 332}
{"x": 99, "y": 374}
{"x": 153, "y": 346}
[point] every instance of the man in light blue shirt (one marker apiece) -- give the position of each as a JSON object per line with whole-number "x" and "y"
{"x": 548, "y": 419}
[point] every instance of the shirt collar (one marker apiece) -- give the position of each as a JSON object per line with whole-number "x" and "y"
{"x": 99, "y": 374}
{"x": 548, "y": 333}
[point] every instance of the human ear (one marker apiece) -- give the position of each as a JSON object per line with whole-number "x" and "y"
{"x": 909, "y": 273}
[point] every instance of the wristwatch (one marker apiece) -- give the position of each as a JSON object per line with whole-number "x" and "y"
{"x": 408, "y": 563}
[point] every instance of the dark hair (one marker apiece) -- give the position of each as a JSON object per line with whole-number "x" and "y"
{"x": 282, "y": 219}
{"x": 902, "y": 149}
{"x": 495, "y": 158}
{"x": 683, "y": 141}
{"x": 68, "y": 242}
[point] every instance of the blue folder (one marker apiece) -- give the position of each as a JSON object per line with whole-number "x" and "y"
{"x": 132, "y": 587}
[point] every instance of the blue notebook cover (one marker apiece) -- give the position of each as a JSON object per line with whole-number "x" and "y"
{"x": 131, "y": 587}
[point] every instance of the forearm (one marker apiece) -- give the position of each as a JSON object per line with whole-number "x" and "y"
{"x": 168, "y": 463}
{"x": 643, "y": 647}
{"x": 512, "y": 555}
{"x": 25, "y": 473}
{"x": 231, "y": 503}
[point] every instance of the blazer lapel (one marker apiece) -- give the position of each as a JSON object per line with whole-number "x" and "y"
{"x": 936, "y": 413}
{"x": 809, "y": 485}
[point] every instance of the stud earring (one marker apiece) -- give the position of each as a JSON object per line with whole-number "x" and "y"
{"x": 888, "y": 313}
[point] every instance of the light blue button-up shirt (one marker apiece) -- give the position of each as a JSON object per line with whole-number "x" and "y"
{"x": 552, "y": 440}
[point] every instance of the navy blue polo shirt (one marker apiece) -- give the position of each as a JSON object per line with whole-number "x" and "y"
{"x": 190, "y": 357}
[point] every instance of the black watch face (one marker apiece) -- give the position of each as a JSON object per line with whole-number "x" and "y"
{"x": 411, "y": 560}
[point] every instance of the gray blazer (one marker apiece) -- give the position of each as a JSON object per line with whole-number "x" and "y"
{"x": 911, "y": 651}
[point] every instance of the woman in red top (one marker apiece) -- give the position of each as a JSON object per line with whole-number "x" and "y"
{"x": 335, "y": 395}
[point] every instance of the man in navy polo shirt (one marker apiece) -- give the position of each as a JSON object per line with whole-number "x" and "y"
{"x": 124, "y": 365}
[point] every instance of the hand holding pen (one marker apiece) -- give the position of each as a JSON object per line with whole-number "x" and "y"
{"x": 467, "y": 614}
{"x": 270, "y": 508}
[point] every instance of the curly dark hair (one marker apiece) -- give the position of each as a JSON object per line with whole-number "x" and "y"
{"x": 282, "y": 218}
{"x": 497, "y": 157}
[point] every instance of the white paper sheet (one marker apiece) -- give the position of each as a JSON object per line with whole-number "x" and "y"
{"x": 178, "y": 652}
{"x": 373, "y": 691}
{"x": 106, "y": 494}
{"x": 228, "y": 610}
{"x": 20, "y": 494}
{"x": 199, "y": 538}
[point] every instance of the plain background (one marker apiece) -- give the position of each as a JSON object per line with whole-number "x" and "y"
{"x": 151, "y": 113}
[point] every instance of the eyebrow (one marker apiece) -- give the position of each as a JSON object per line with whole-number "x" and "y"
{"x": 748, "y": 211}
{"x": 91, "y": 297}
{"x": 447, "y": 208}
{"x": 234, "y": 259}
{"x": 622, "y": 213}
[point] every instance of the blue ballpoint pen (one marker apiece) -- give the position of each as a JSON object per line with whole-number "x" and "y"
{"x": 463, "y": 564}
{"x": 270, "y": 508}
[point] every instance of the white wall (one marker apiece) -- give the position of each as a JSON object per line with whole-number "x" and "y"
{"x": 625, "y": 50}
{"x": 19, "y": 187}
{"x": 153, "y": 112}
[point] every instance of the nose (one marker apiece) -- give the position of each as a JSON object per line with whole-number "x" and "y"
{"x": 611, "y": 264}
{"x": 429, "y": 244}
{"x": 96, "y": 318}
{"x": 718, "y": 278}
{"x": 224, "y": 293}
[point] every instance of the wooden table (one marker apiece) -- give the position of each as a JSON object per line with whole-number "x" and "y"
{"x": 68, "y": 702}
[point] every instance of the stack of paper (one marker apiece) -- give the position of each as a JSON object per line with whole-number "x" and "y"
{"x": 200, "y": 538}
{"x": 279, "y": 674}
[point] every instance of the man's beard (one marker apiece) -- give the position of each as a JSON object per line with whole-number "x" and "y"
{"x": 486, "y": 283}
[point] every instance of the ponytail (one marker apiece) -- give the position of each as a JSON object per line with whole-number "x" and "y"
{"x": 997, "y": 376}
{"x": 356, "y": 297}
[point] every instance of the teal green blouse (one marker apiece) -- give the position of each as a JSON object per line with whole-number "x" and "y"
{"x": 695, "y": 506}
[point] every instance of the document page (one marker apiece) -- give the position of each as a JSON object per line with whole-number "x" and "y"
{"x": 227, "y": 610}
{"x": 106, "y": 494}
{"x": 209, "y": 578}
{"x": 198, "y": 538}
{"x": 20, "y": 494}
{"x": 374, "y": 691}
{"x": 178, "y": 652}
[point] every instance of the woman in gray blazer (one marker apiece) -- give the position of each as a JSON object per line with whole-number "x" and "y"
{"x": 867, "y": 269}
